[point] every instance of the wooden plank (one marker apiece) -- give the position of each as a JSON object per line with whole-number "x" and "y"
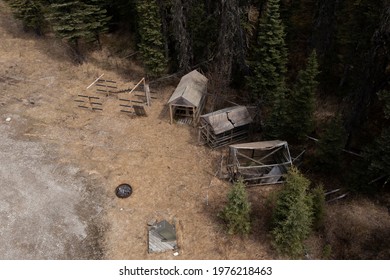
{"x": 344, "y": 150}
{"x": 105, "y": 86}
{"x": 121, "y": 99}
{"x": 278, "y": 149}
{"x": 184, "y": 121}
{"x": 156, "y": 245}
{"x": 125, "y": 111}
{"x": 251, "y": 159}
{"x": 147, "y": 93}
{"x": 99, "y": 109}
{"x": 264, "y": 166}
{"x": 95, "y": 81}
{"x": 107, "y": 81}
{"x": 123, "y": 105}
{"x": 102, "y": 90}
{"x": 82, "y": 101}
{"x": 90, "y": 97}
{"x": 264, "y": 184}
{"x": 143, "y": 79}
{"x": 298, "y": 156}
{"x": 337, "y": 198}
{"x": 81, "y": 106}
{"x": 96, "y": 103}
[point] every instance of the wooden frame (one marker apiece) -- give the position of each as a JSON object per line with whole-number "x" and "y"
{"x": 259, "y": 163}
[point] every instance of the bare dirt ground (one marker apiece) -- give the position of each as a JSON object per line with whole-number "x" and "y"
{"x": 60, "y": 165}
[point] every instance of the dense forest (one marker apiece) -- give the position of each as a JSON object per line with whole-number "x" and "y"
{"x": 290, "y": 59}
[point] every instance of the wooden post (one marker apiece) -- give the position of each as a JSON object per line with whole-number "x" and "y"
{"x": 170, "y": 113}
{"x": 194, "y": 111}
{"x": 147, "y": 93}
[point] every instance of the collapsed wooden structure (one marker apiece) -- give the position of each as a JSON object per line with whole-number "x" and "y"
{"x": 135, "y": 99}
{"x": 162, "y": 237}
{"x": 132, "y": 101}
{"x": 259, "y": 163}
{"x": 225, "y": 126}
{"x": 188, "y": 100}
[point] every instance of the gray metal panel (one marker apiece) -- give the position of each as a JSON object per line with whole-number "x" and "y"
{"x": 190, "y": 89}
{"x": 275, "y": 175}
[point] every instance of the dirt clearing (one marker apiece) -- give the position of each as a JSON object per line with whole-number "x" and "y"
{"x": 61, "y": 164}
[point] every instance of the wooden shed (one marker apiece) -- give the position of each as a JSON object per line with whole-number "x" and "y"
{"x": 188, "y": 99}
{"x": 224, "y": 126}
{"x": 259, "y": 163}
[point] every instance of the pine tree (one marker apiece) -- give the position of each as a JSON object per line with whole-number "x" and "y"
{"x": 378, "y": 154}
{"x": 151, "y": 43}
{"x": 181, "y": 34}
{"x": 269, "y": 57}
{"x": 318, "y": 196}
{"x": 276, "y": 119}
{"x": 75, "y": 20}
{"x": 30, "y": 12}
{"x": 330, "y": 145}
{"x": 374, "y": 169}
{"x": 203, "y": 29}
{"x": 302, "y": 101}
{"x": 236, "y": 212}
{"x": 292, "y": 216}
{"x": 268, "y": 79}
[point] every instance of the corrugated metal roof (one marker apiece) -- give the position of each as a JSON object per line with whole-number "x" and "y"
{"x": 227, "y": 118}
{"x": 190, "y": 89}
{"x": 263, "y": 145}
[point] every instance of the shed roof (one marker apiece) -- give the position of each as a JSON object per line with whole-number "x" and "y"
{"x": 190, "y": 89}
{"x": 227, "y": 118}
{"x": 263, "y": 145}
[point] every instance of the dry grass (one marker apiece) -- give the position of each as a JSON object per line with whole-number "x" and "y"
{"x": 358, "y": 229}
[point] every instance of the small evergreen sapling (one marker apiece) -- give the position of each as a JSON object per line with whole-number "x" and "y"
{"x": 318, "y": 196}
{"x": 236, "y": 213}
{"x": 292, "y": 217}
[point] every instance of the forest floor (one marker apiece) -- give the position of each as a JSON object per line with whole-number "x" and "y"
{"x": 60, "y": 165}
